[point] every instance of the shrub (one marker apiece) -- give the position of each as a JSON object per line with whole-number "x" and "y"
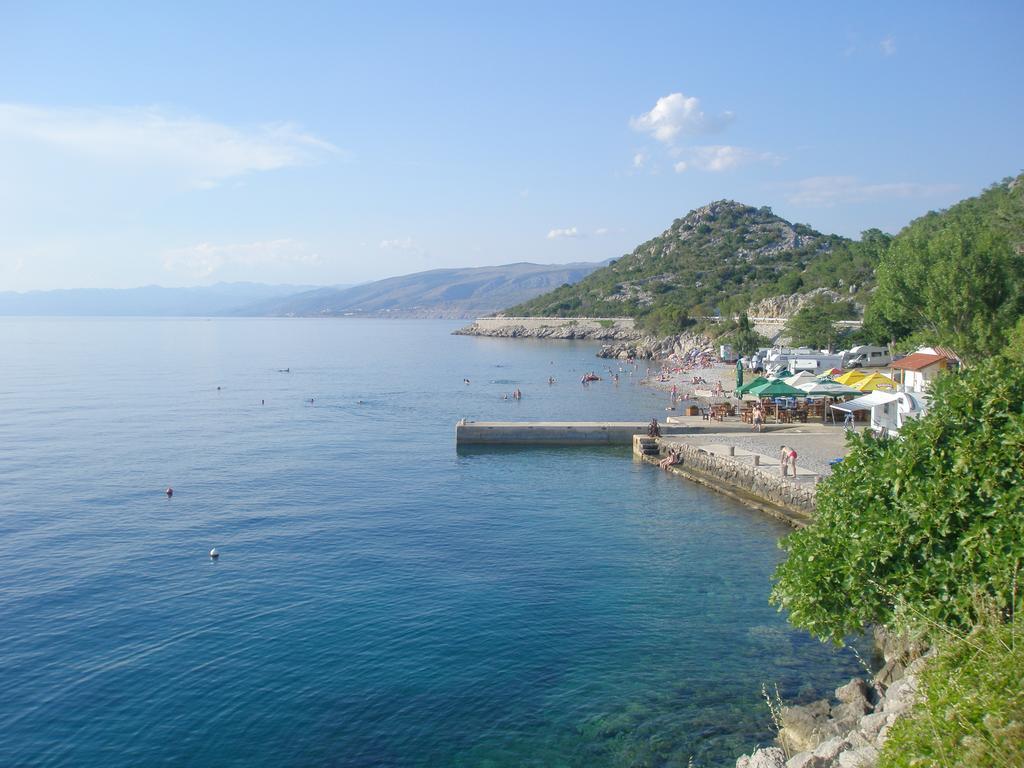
{"x": 927, "y": 521}
{"x": 972, "y": 712}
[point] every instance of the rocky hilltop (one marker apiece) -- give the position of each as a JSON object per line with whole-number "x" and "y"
{"x": 718, "y": 258}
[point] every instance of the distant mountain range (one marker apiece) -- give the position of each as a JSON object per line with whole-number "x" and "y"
{"x": 455, "y": 293}
{"x": 150, "y": 300}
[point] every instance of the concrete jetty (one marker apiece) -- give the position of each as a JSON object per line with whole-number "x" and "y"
{"x": 553, "y": 432}
{"x": 750, "y": 477}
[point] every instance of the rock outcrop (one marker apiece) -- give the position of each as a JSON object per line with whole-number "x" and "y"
{"x": 599, "y": 329}
{"x": 850, "y": 731}
{"x": 784, "y": 307}
{"x": 652, "y": 348}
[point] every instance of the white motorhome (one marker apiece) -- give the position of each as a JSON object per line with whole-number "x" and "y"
{"x": 866, "y": 356}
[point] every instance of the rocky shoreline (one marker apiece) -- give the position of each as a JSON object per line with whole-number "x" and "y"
{"x": 595, "y": 329}
{"x": 850, "y": 731}
{"x": 626, "y": 340}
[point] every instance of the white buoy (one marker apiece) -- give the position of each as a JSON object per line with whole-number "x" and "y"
{"x": 214, "y": 553}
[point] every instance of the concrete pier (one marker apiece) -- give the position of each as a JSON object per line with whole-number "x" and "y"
{"x": 751, "y": 478}
{"x": 552, "y": 432}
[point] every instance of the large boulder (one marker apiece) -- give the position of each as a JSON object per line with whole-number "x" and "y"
{"x": 804, "y": 727}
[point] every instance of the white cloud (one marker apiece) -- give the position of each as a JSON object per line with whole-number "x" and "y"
{"x": 888, "y": 45}
{"x": 204, "y": 259}
{"x": 398, "y": 244}
{"x": 601, "y": 231}
{"x": 677, "y": 114}
{"x": 639, "y": 159}
{"x": 204, "y": 152}
{"x": 557, "y": 234}
{"x": 826, "y": 191}
{"x": 716, "y": 158}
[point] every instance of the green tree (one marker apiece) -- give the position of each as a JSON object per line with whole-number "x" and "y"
{"x": 742, "y": 336}
{"x": 956, "y": 277}
{"x": 666, "y": 320}
{"x": 815, "y": 324}
{"x": 924, "y": 523}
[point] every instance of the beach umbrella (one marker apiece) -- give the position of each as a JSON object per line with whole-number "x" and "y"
{"x": 827, "y": 389}
{"x": 745, "y": 388}
{"x": 830, "y": 373}
{"x": 777, "y": 388}
{"x": 739, "y": 374}
{"x": 874, "y": 382}
{"x": 850, "y": 376}
{"x": 783, "y": 374}
{"x": 800, "y": 378}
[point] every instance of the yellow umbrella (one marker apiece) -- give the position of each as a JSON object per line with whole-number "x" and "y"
{"x": 876, "y": 381}
{"x": 850, "y": 376}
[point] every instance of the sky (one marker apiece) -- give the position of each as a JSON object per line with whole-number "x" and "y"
{"x": 191, "y": 143}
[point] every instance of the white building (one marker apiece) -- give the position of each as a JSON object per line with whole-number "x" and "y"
{"x": 916, "y": 372}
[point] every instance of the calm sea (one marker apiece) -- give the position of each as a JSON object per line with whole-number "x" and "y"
{"x": 381, "y": 599}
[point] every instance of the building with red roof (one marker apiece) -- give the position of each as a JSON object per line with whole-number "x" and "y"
{"x": 916, "y": 372}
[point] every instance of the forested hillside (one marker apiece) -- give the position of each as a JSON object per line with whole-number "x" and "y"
{"x": 717, "y": 259}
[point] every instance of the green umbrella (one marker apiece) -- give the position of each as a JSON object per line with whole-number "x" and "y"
{"x": 739, "y": 374}
{"x": 742, "y": 390}
{"x": 777, "y": 388}
{"x": 783, "y": 374}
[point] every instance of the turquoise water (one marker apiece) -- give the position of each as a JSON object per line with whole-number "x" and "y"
{"x": 381, "y": 599}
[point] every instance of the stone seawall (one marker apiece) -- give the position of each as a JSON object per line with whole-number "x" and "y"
{"x": 794, "y": 504}
{"x": 597, "y": 328}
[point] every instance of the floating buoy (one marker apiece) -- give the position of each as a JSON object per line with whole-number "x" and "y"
{"x": 214, "y": 554}
{"x": 169, "y": 492}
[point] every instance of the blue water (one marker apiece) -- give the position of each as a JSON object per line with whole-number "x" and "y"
{"x": 381, "y": 599}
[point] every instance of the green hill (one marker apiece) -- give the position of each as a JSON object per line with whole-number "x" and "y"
{"x": 717, "y": 259}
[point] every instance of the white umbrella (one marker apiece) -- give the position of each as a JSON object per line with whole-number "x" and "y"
{"x": 801, "y": 378}
{"x": 827, "y": 389}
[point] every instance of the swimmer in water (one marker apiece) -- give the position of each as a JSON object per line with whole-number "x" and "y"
{"x": 169, "y": 492}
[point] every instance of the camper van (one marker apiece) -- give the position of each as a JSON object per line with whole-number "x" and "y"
{"x": 866, "y": 356}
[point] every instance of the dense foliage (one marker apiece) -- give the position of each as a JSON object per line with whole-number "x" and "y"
{"x": 972, "y": 713}
{"x": 956, "y": 278}
{"x": 716, "y": 259}
{"x": 922, "y": 524}
{"x": 815, "y": 324}
{"x": 741, "y": 335}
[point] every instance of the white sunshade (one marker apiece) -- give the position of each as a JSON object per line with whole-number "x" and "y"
{"x": 801, "y": 378}
{"x": 830, "y": 388}
{"x": 867, "y": 402}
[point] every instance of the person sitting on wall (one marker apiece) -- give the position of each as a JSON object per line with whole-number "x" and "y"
{"x": 653, "y": 430}
{"x": 671, "y": 460}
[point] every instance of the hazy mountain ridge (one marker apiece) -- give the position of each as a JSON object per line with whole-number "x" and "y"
{"x": 150, "y": 300}
{"x": 453, "y": 293}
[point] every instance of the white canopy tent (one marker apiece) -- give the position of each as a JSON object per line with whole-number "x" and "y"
{"x": 889, "y": 410}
